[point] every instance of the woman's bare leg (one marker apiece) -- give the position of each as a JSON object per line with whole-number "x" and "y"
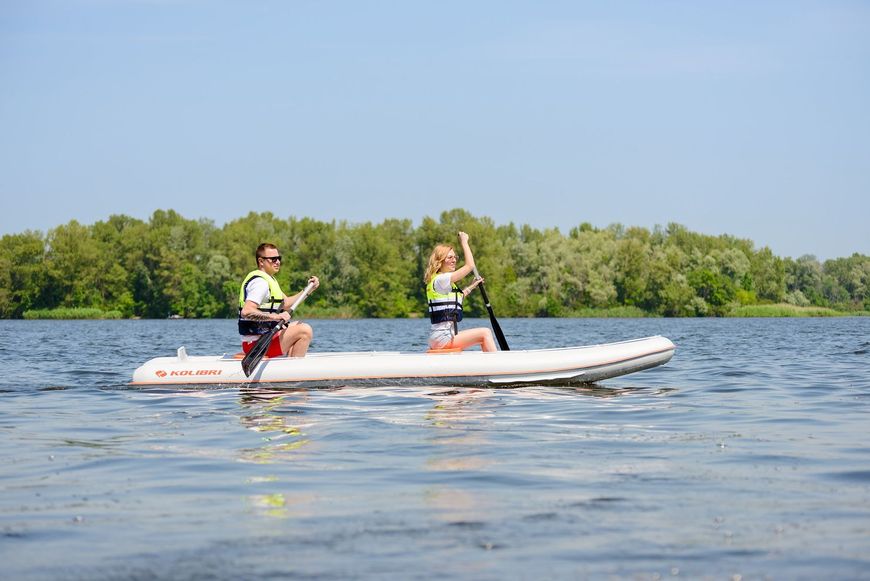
{"x": 470, "y": 337}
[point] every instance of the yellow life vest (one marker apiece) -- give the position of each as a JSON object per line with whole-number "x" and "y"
{"x": 443, "y": 308}
{"x": 271, "y": 305}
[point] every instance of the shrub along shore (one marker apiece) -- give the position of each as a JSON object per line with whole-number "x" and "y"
{"x": 173, "y": 266}
{"x": 749, "y": 311}
{"x": 71, "y": 313}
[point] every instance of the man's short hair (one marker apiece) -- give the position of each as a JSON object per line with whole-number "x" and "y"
{"x": 261, "y": 248}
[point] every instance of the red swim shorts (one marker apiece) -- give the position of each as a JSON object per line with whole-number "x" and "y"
{"x": 274, "y": 347}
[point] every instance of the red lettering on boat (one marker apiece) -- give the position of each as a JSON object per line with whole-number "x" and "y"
{"x": 187, "y": 372}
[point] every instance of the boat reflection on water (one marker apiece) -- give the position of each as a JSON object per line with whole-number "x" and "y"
{"x": 455, "y": 429}
{"x": 269, "y": 415}
{"x": 273, "y": 414}
{"x": 465, "y": 422}
{"x": 455, "y": 407}
{"x": 458, "y": 417}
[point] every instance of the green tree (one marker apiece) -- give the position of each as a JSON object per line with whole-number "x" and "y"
{"x": 716, "y": 289}
{"x": 804, "y": 276}
{"x": 121, "y": 239}
{"x": 631, "y": 265}
{"x": 383, "y": 254}
{"x": 768, "y": 274}
{"x": 74, "y": 268}
{"x": 171, "y": 264}
{"x": 848, "y": 281}
{"x": 22, "y": 274}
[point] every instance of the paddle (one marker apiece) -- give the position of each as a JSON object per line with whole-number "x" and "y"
{"x": 496, "y": 328}
{"x": 255, "y": 355}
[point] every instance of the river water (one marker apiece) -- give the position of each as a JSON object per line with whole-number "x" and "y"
{"x": 745, "y": 457}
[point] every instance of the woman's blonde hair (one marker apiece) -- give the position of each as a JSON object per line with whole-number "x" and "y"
{"x": 439, "y": 255}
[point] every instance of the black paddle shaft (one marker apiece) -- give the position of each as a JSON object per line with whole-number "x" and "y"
{"x": 496, "y": 328}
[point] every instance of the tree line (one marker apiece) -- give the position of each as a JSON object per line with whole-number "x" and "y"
{"x": 171, "y": 265}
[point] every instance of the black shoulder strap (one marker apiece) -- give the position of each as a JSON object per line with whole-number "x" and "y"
{"x": 250, "y": 280}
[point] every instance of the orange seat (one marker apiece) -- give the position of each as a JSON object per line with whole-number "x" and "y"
{"x": 444, "y": 351}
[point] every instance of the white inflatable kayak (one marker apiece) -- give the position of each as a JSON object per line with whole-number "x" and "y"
{"x": 564, "y": 365}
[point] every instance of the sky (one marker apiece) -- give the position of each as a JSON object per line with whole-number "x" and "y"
{"x": 748, "y": 118}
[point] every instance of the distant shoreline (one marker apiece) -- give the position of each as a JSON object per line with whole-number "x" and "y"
{"x": 171, "y": 266}
{"x": 745, "y": 312}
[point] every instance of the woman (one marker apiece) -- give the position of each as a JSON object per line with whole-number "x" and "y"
{"x": 445, "y": 299}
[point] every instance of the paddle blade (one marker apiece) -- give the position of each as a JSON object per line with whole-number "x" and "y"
{"x": 255, "y": 355}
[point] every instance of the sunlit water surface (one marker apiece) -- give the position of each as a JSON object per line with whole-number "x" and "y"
{"x": 747, "y": 456}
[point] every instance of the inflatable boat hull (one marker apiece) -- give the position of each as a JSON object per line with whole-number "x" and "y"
{"x": 568, "y": 365}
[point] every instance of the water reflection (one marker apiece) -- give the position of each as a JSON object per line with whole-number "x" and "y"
{"x": 458, "y": 407}
{"x": 459, "y": 417}
{"x": 599, "y": 391}
{"x": 281, "y": 505}
{"x": 268, "y": 416}
{"x": 268, "y": 413}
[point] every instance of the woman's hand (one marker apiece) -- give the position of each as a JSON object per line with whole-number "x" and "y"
{"x": 463, "y": 238}
{"x": 472, "y": 286}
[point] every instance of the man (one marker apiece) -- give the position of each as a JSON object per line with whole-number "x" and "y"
{"x": 262, "y": 305}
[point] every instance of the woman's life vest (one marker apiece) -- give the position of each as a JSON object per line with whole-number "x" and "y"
{"x": 271, "y": 305}
{"x": 443, "y": 308}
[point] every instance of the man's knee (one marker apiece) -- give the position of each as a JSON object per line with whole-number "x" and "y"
{"x": 298, "y": 331}
{"x": 305, "y": 330}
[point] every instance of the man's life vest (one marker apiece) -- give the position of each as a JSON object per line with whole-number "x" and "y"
{"x": 271, "y": 305}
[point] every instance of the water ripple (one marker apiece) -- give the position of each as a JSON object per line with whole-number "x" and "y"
{"x": 743, "y": 457}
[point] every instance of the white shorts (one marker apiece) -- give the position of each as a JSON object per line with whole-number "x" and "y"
{"x": 441, "y": 338}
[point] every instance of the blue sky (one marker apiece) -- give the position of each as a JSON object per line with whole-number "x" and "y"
{"x": 742, "y": 118}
